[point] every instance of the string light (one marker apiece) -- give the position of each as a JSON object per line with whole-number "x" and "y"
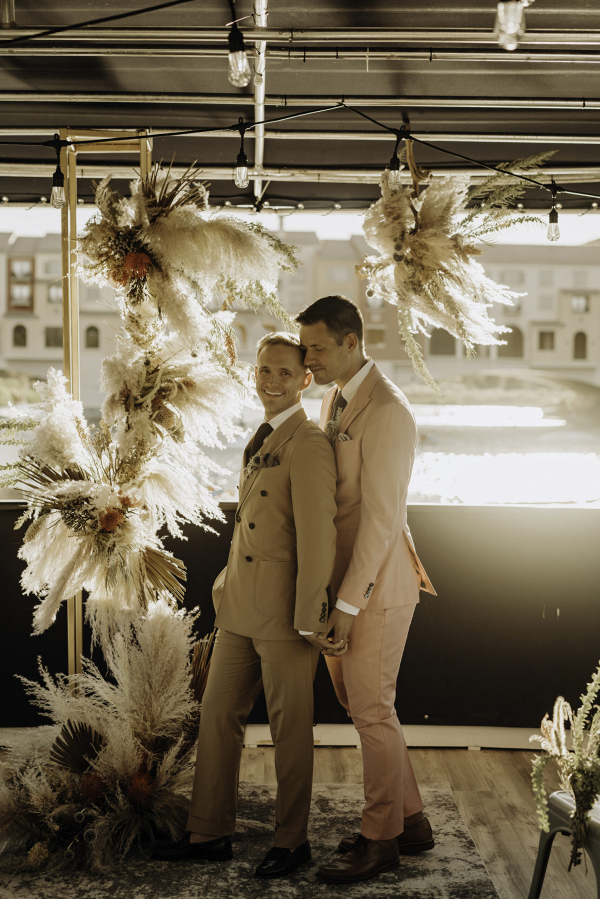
{"x": 5, "y": 199}
{"x": 57, "y": 197}
{"x": 337, "y": 205}
{"x": 43, "y": 199}
{"x": 241, "y": 167}
{"x": 239, "y": 67}
{"x": 394, "y": 172}
{"x": 300, "y": 206}
{"x": 510, "y": 23}
{"x": 553, "y": 232}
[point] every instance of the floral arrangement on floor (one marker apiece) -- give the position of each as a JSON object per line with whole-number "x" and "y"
{"x": 579, "y": 767}
{"x": 116, "y": 766}
{"x": 427, "y": 248}
{"x": 97, "y": 498}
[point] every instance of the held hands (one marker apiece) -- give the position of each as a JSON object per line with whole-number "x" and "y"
{"x": 340, "y": 623}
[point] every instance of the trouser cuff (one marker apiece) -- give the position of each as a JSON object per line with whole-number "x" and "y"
{"x": 209, "y": 828}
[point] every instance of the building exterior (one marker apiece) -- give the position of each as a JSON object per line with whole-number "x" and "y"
{"x": 31, "y": 314}
{"x": 555, "y": 327}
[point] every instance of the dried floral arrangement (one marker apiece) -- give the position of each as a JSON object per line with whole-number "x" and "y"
{"x": 97, "y": 498}
{"x": 427, "y": 249}
{"x": 116, "y": 766}
{"x": 579, "y": 767}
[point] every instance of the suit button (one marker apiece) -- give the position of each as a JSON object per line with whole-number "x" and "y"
{"x": 263, "y": 492}
{"x": 248, "y": 558}
{"x": 251, "y": 525}
{"x": 238, "y": 517}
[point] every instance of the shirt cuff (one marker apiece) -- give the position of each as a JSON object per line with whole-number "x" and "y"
{"x": 306, "y": 633}
{"x": 346, "y": 607}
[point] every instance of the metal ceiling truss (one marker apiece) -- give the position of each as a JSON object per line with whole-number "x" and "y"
{"x": 576, "y": 46}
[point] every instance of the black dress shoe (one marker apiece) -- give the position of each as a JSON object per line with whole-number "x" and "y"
{"x": 279, "y": 862}
{"x": 217, "y": 850}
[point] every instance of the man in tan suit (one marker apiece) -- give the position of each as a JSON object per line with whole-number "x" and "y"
{"x": 376, "y": 580}
{"x": 270, "y": 599}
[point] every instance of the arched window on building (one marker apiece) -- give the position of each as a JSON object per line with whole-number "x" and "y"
{"x": 19, "y": 335}
{"x": 92, "y": 337}
{"x": 513, "y": 348}
{"x": 580, "y": 345}
{"x": 441, "y": 343}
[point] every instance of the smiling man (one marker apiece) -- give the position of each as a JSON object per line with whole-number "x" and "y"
{"x": 376, "y": 580}
{"x": 271, "y": 602}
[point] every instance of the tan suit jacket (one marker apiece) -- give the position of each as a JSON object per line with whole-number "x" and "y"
{"x": 283, "y": 546}
{"x": 376, "y": 564}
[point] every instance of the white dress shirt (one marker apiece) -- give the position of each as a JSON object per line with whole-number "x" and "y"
{"x": 283, "y": 416}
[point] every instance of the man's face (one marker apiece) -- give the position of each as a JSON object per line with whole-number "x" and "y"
{"x": 280, "y": 378}
{"x": 326, "y": 359}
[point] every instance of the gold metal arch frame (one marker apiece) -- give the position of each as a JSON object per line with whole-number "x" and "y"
{"x": 140, "y": 143}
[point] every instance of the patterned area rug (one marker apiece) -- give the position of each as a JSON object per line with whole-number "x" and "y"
{"x": 453, "y": 870}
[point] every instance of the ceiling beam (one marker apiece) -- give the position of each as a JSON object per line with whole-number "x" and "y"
{"x": 564, "y": 174}
{"x": 572, "y": 38}
{"x": 365, "y": 54}
{"x": 307, "y": 101}
{"x": 380, "y": 136}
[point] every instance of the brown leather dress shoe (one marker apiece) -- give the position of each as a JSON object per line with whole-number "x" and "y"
{"x": 366, "y": 859}
{"x": 416, "y": 838}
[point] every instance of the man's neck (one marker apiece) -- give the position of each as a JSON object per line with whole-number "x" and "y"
{"x": 353, "y": 370}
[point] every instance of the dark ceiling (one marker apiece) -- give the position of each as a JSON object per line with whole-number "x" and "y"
{"x": 434, "y": 66}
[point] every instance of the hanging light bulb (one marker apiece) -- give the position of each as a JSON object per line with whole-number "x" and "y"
{"x": 394, "y": 172}
{"x": 57, "y": 197}
{"x": 239, "y": 67}
{"x": 510, "y": 23}
{"x": 553, "y": 232}
{"x": 240, "y": 176}
{"x": 241, "y": 171}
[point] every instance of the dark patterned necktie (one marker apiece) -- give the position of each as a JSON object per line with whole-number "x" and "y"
{"x": 338, "y": 406}
{"x": 259, "y": 438}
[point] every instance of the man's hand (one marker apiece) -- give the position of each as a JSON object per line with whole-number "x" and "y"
{"x": 321, "y": 642}
{"x": 340, "y": 623}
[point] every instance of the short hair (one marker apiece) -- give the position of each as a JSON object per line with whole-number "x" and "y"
{"x": 280, "y": 338}
{"x": 340, "y": 314}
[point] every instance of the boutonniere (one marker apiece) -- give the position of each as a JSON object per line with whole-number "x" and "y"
{"x": 332, "y": 427}
{"x": 257, "y": 462}
{"x": 343, "y": 437}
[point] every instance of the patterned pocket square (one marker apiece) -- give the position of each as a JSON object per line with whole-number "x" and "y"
{"x": 343, "y": 437}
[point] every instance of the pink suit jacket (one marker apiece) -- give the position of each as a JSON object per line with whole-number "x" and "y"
{"x": 376, "y": 564}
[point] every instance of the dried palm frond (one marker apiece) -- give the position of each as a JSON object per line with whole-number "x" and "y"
{"x": 76, "y": 747}
{"x": 162, "y": 570}
{"x": 201, "y": 665}
{"x": 164, "y": 193}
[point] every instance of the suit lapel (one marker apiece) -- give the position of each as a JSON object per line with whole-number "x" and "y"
{"x": 326, "y": 407}
{"x": 360, "y": 399}
{"x": 271, "y": 446}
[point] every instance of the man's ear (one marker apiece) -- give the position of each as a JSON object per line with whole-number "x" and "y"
{"x": 307, "y": 380}
{"x": 255, "y": 372}
{"x": 351, "y": 341}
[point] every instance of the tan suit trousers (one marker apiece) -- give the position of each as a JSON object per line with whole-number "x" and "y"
{"x": 365, "y": 683}
{"x": 240, "y": 668}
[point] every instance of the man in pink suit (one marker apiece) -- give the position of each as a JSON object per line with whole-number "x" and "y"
{"x": 376, "y": 580}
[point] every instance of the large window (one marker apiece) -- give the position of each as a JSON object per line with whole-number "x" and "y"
{"x": 19, "y": 337}
{"x": 54, "y": 337}
{"x": 580, "y": 303}
{"x": 92, "y": 337}
{"x": 546, "y": 340}
{"x": 580, "y": 346}
{"x": 20, "y": 285}
{"x": 513, "y": 348}
{"x": 55, "y": 293}
{"x": 375, "y": 337}
{"x": 441, "y": 343}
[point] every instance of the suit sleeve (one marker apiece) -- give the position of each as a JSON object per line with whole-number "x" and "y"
{"x": 313, "y": 483}
{"x": 388, "y": 448}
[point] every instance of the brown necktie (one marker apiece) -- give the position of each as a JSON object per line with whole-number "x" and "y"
{"x": 338, "y": 405}
{"x": 259, "y": 438}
